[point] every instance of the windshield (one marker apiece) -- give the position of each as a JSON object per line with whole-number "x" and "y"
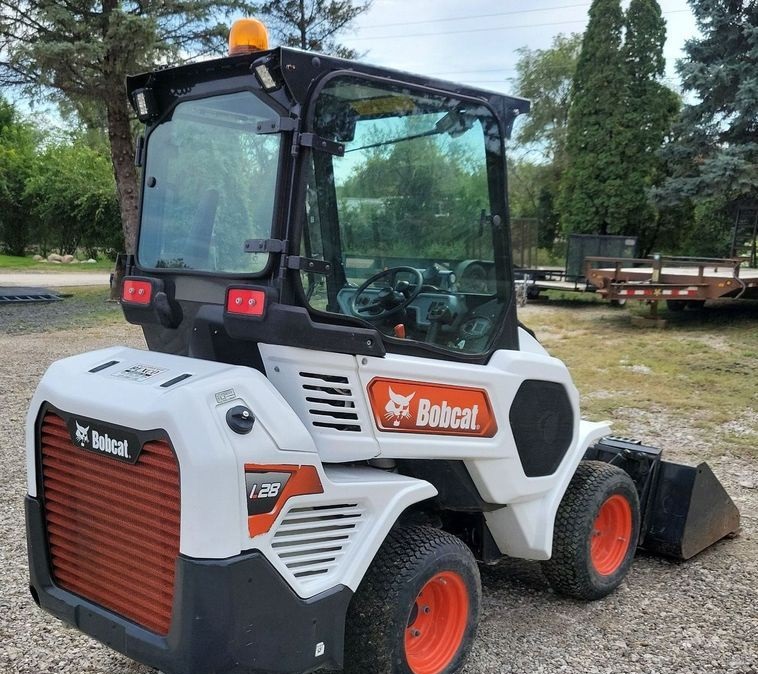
{"x": 411, "y": 215}
{"x": 210, "y": 183}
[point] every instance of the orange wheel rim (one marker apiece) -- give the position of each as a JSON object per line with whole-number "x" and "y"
{"x": 611, "y": 535}
{"x": 437, "y": 623}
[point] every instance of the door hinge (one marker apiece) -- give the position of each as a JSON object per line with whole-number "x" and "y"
{"x": 308, "y": 264}
{"x": 265, "y": 246}
{"x": 276, "y": 125}
{"x": 322, "y": 144}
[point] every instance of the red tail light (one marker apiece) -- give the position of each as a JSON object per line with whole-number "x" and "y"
{"x": 246, "y": 302}
{"x": 137, "y": 292}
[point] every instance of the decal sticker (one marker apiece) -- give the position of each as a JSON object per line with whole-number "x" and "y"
{"x": 264, "y": 490}
{"x": 269, "y": 487}
{"x": 225, "y": 396}
{"x": 417, "y": 407}
{"x": 103, "y": 439}
{"x": 140, "y": 372}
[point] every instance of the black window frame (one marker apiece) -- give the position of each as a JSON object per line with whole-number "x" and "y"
{"x": 506, "y": 336}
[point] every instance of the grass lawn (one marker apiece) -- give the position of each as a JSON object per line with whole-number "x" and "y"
{"x": 702, "y": 369}
{"x": 14, "y": 263}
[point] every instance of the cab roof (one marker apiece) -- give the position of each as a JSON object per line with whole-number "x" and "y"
{"x": 300, "y": 72}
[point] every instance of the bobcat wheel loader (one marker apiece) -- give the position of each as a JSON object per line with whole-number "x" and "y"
{"x": 339, "y": 415}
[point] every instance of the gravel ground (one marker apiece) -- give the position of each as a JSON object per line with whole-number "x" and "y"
{"x": 698, "y": 616}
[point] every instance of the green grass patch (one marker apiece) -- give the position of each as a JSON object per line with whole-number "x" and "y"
{"x": 702, "y": 370}
{"x": 15, "y": 263}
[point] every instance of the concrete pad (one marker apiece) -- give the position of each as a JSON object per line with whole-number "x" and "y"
{"x": 54, "y": 279}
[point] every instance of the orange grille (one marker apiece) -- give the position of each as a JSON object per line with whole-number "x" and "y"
{"x": 112, "y": 527}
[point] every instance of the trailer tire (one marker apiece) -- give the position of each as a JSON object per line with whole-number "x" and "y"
{"x": 596, "y": 532}
{"x": 676, "y": 305}
{"x": 389, "y": 631}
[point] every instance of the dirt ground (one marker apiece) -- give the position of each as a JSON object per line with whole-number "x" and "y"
{"x": 694, "y": 617}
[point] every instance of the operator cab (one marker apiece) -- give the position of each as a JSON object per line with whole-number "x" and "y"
{"x": 369, "y": 203}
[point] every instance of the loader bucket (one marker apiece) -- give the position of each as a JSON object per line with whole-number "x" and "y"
{"x": 688, "y": 510}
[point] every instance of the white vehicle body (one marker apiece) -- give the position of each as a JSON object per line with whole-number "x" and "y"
{"x": 212, "y": 458}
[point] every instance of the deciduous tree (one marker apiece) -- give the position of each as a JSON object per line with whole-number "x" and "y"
{"x": 72, "y": 198}
{"x": 17, "y": 150}
{"x": 80, "y": 51}
{"x": 545, "y": 77}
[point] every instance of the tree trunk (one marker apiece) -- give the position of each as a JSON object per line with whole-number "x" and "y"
{"x": 122, "y": 156}
{"x": 302, "y": 27}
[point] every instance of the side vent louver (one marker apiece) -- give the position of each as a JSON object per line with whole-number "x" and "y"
{"x": 311, "y": 542}
{"x": 330, "y": 401}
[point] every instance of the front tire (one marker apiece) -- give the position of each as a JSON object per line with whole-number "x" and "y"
{"x": 417, "y": 608}
{"x": 596, "y": 532}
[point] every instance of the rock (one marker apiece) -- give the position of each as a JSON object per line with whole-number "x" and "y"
{"x": 54, "y": 257}
{"x": 75, "y": 261}
{"x": 91, "y": 261}
{"x": 68, "y": 259}
{"x": 55, "y": 261}
{"x": 38, "y": 258}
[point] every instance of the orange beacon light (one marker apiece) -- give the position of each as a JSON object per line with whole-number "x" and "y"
{"x": 247, "y": 36}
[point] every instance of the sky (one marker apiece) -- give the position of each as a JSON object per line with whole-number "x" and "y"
{"x": 475, "y": 42}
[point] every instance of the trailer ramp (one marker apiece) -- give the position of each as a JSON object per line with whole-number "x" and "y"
{"x": 23, "y": 295}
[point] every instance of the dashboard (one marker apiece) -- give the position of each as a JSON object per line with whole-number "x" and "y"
{"x": 426, "y": 306}
{"x": 438, "y": 317}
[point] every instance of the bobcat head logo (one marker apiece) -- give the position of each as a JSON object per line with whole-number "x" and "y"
{"x": 398, "y": 407}
{"x": 81, "y": 433}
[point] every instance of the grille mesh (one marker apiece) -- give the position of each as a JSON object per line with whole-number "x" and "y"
{"x": 311, "y": 541}
{"x": 112, "y": 527}
{"x": 330, "y": 402}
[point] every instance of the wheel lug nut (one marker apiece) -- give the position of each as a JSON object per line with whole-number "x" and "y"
{"x": 416, "y": 633}
{"x": 426, "y": 609}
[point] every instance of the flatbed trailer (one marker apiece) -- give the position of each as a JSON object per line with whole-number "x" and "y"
{"x": 537, "y": 280}
{"x": 676, "y": 280}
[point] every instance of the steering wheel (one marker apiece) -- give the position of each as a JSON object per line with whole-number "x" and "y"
{"x": 391, "y": 299}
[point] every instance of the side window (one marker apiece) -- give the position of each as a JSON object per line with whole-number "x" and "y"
{"x": 211, "y": 184}
{"x": 406, "y": 217}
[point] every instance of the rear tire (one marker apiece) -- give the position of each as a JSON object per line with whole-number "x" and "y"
{"x": 676, "y": 305}
{"x": 417, "y": 608}
{"x": 596, "y": 532}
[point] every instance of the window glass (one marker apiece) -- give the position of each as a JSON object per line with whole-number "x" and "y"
{"x": 406, "y": 215}
{"x": 210, "y": 185}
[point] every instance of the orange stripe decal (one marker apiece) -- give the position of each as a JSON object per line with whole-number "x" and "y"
{"x": 291, "y": 479}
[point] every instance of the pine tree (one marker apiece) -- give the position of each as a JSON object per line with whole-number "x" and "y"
{"x": 592, "y": 196}
{"x": 715, "y": 151}
{"x": 650, "y": 108}
{"x": 80, "y": 52}
{"x": 313, "y": 24}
